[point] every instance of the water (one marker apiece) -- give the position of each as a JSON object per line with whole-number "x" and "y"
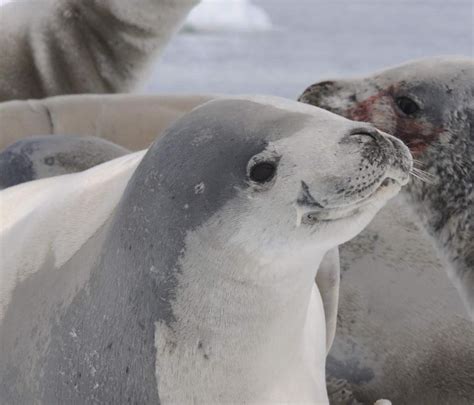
{"x": 314, "y": 40}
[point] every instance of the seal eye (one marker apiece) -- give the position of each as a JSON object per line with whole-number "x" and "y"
{"x": 262, "y": 172}
{"x": 407, "y": 105}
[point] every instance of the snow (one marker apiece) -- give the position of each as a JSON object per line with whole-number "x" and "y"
{"x": 227, "y": 15}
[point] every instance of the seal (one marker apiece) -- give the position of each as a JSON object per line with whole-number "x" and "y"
{"x": 195, "y": 285}
{"x": 428, "y": 104}
{"x": 402, "y": 330}
{"x": 45, "y": 156}
{"x": 112, "y": 116}
{"x": 365, "y": 359}
{"x": 76, "y": 47}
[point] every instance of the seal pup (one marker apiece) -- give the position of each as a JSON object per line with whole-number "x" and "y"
{"x": 429, "y": 105}
{"x": 50, "y": 48}
{"x": 44, "y": 156}
{"x": 196, "y": 287}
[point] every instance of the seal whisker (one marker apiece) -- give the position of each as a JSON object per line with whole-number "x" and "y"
{"x": 424, "y": 173}
{"x": 417, "y": 177}
{"x": 423, "y": 176}
{"x": 418, "y": 162}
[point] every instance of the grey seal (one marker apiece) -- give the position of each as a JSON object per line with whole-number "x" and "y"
{"x": 196, "y": 285}
{"x": 44, "y": 156}
{"x": 429, "y": 105}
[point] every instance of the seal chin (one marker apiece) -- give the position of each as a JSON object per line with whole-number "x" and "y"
{"x": 309, "y": 214}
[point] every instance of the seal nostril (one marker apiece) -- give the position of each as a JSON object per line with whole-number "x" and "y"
{"x": 370, "y": 132}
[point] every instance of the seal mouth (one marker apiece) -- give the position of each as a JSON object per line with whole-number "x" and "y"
{"x": 310, "y": 214}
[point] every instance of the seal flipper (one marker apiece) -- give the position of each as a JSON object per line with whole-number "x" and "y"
{"x": 71, "y": 47}
{"x": 327, "y": 280}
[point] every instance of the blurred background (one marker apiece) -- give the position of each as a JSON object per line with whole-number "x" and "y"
{"x": 281, "y": 46}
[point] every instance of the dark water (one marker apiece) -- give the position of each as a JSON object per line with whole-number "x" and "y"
{"x": 312, "y": 40}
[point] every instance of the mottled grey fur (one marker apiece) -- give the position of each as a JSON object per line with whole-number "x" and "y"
{"x": 439, "y": 354}
{"x": 441, "y": 135}
{"x": 52, "y": 155}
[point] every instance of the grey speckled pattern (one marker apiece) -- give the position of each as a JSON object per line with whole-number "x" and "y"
{"x": 431, "y": 338}
{"x": 402, "y": 331}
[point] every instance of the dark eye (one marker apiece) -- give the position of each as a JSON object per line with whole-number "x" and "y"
{"x": 262, "y": 172}
{"x": 407, "y": 105}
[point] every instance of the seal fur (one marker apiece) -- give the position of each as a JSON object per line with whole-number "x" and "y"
{"x": 426, "y": 323}
{"x": 52, "y": 155}
{"x": 52, "y": 47}
{"x": 439, "y": 132}
{"x": 192, "y": 254}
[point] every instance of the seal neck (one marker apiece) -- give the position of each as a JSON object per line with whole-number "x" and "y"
{"x": 258, "y": 338}
{"x": 445, "y": 209}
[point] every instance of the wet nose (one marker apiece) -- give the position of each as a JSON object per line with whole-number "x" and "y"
{"x": 371, "y": 133}
{"x": 385, "y": 148}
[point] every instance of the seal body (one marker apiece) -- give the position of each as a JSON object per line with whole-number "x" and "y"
{"x": 429, "y": 105}
{"x": 402, "y": 330}
{"x": 52, "y": 155}
{"x": 73, "y": 47}
{"x": 112, "y": 117}
{"x": 200, "y": 270}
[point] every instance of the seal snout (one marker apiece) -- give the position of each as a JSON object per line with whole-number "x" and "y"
{"x": 371, "y": 133}
{"x": 401, "y": 161}
{"x": 314, "y": 93}
{"x": 381, "y": 149}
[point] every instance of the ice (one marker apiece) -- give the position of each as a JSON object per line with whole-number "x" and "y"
{"x": 227, "y": 15}
{"x": 312, "y": 40}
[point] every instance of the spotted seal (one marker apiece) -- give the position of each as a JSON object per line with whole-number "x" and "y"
{"x": 45, "y": 156}
{"x": 428, "y": 104}
{"x": 191, "y": 279}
